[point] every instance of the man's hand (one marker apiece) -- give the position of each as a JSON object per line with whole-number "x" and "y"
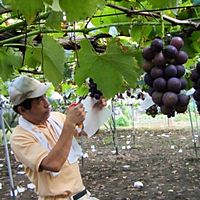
{"x": 101, "y": 103}
{"x": 76, "y": 114}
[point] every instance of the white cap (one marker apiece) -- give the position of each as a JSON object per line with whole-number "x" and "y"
{"x": 25, "y": 87}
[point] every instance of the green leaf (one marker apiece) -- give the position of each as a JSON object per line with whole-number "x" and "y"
{"x": 162, "y": 4}
{"x": 196, "y": 40}
{"x": 33, "y": 56}
{"x": 51, "y": 56}
{"x": 140, "y": 33}
{"x": 109, "y": 70}
{"x": 54, "y": 20}
{"x": 82, "y": 91}
{"x": 6, "y": 2}
{"x": 191, "y": 45}
{"x": 48, "y": 1}
{"x": 54, "y": 60}
{"x": 104, "y": 19}
{"x": 80, "y": 9}
{"x": 3, "y": 88}
{"x": 9, "y": 61}
{"x": 28, "y": 9}
{"x": 98, "y": 21}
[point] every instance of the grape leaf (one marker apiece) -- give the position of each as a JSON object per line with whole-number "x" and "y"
{"x": 98, "y": 21}
{"x": 80, "y": 9}
{"x": 9, "y": 61}
{"x": 51, "y": 56}
{"x": 28, "y": 9}
{"x": 196, "y": 41}
{"x": 54, "y": 19}
{"x": 162, "y": 4}
{"x": 82, "y": 91}
{"x": 3, "y": 88}
{"x": 6, "y": 2}
{"x": 33, "y": 56}
{"x": 140, "y": 33}
{"x": 54, "y": 60}
{"x": 109, "y": 70}
{"x": 48, "y": 1}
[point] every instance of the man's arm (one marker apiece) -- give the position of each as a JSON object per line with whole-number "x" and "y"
{"x": 57, "y": 156}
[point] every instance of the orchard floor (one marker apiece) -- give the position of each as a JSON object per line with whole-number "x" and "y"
{"x": 164, "y": 160}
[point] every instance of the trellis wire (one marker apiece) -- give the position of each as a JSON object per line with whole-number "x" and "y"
{"x": 112, "y": 125}
{"x": 133, "y": 124}
{"x": 192, "y": 129}
{"x": 7, "y": 154}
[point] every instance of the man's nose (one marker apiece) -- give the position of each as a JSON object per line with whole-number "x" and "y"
{"x": 45, "y": 101}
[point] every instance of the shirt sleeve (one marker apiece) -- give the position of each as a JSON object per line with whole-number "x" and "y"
{"x": 27, "y": 149}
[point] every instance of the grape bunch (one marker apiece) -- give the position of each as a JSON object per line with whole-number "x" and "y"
{"x": 195, "y": 78}
{"x": 129, "y": 93}
{"x": 152, "y": 110}
{"x": 164, "y": 75}
{"x": 93, "y": 91}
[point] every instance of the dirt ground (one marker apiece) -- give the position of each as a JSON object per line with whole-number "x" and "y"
{"x": 164, "y": 160}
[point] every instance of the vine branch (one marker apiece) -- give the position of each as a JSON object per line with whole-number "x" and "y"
{"x": 84, "y": 30}
{"x": 167, "y": 18}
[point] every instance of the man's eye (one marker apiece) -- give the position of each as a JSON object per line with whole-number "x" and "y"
{"x": 39, "y": 99}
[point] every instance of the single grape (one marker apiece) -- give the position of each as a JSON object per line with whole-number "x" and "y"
{"x": 174, "y": 85}
{"x": 194, "y": 76}
{"x": 181, "y": 57}
{"x": 169, "y": 99}
{"x": 167, "y": 110}
{"x": 170, "y": 71}
{"x": 180, "y": 70}
{"x": 177, "y": 42}
{"x": 148, "y": 53}
{"x": 183, "y": 83}
{"x": 148, "y": 79}
{"x": 157, "y": 45}
{"x": 159, "y": 60}
{"x": 160, "y": 84}
{"x": 156, "y": 72}
{"x": 147, "y": 66}
{"x": 157, "y": 98}
{"x": 170, "y": 52}
{"x": 180, "y": 109}
{"x": 183, "y": 100}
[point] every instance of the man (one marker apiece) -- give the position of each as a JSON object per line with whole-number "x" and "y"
{"x": 44, "y": 141}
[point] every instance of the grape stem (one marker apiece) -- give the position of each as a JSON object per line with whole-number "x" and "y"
{"x": 162, "y": 25}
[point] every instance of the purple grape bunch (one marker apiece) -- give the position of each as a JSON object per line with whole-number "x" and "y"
{"x": 93, "y": 91}
{"x": 195, "y": 78}
{"x": 164, "y": 75}
{"x": 152, "y": 110}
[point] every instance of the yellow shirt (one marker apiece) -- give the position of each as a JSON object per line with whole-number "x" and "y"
{"x": 28, "y": 150}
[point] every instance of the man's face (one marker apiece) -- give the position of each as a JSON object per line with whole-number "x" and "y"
{"x": 39, "y": 112}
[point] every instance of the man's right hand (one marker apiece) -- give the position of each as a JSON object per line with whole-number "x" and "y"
{"x": 76, "y": 114}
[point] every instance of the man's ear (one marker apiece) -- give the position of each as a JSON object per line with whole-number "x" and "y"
{"x": 21, "y": 109}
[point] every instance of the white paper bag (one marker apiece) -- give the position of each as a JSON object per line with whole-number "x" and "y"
{"x": 95, "y": 117}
